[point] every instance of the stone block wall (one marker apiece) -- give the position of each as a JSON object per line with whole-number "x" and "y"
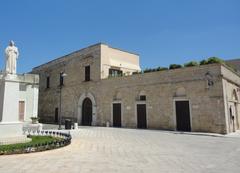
{"x": 207, "y": 88}
{"x": 74, "y": 66}
{"x": 231, "y": 94}
{"x": 160, "y": 88}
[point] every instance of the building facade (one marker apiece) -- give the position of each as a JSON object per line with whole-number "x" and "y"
{"x": 101, "y": 87}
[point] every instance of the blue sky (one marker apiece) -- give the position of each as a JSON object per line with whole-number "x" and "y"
{"x": 161, "y": 31}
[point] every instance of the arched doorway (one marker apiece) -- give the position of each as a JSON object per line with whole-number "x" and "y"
{"x": 233, "y": 112}
{"x": 87, "y": 112}
{"x": 80, "y": 110}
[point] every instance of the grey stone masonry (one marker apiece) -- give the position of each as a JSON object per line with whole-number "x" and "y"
{"x": 212, "y": 92}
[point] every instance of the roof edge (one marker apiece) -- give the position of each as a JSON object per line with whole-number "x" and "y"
{"x": 64, "y": 56}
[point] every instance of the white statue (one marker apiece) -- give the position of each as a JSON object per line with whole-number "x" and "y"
{"x": 11, "y": 58}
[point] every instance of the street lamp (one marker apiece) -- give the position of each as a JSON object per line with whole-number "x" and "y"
{"x": 61, "y": 77}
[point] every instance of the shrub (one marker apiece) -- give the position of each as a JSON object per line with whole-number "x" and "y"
{"x": 153, "y": 69}
{"x": 175, "y": 66}
{"x": 211, "y": 60}
{"x": 136, "y": 72}
{"x": 191, "y": 64}
{"x": 203, "y": 62}
{"x": 20, "y": 147}
{"x": 161, "y": 68}
{"x": 147, "y": 70}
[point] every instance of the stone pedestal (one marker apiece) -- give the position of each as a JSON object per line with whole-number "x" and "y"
{"x": 11, "y": 133}
{"x": 10, "y": 130}
{"x": 9, "y": 98}
{"x": 10, "y": 127}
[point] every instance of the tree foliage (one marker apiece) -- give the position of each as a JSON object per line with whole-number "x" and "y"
{"x": 211, "y": 60}
{"x": 191, "y": 64}
{"x": 175, "y": 66}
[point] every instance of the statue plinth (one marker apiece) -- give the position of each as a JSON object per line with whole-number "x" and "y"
{"x": 9, "y": 98}
{"x": 11, "y": 77}
{"x": 10, "y": 126}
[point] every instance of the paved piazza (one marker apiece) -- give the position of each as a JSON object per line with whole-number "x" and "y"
{"x": 98, "y": 149}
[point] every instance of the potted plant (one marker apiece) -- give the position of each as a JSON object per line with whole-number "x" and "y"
{"x": 34, "y": 120}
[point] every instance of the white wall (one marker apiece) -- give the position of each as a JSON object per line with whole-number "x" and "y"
{"x": 15, "y": 88}
{"x": 112, "y": 57}
{"x": 30, "y": 97}
{"x": 9, "y": 100}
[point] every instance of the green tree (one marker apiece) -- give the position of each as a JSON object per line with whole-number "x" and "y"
{"x": 175, "y": 66}
{"x": 191, "y": 63}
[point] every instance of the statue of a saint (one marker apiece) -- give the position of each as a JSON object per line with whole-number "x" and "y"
{"x": 11, "y": 58}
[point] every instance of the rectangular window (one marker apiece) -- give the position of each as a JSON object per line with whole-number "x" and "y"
{"x": 61, "y": 80}
{"x": 87, "y": 73}
{"x": 115, "y": 72}
{"x": 22, "y": 87}
{"x": 143, "y": 98}
{"x": 48, "y": 82}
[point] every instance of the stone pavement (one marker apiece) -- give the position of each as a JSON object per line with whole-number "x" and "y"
{"x": 99, "y": 149}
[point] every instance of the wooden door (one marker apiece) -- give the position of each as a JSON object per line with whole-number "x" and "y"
{"x": 117, "y": 115}
{"x": 21, "y": 110}
{"x": 141, "y": 116}
{"x": 183, "y": 116}
{"x": 56, "y": 116}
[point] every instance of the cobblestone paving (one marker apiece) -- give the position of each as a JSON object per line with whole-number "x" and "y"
{"x": 96, "y": 149}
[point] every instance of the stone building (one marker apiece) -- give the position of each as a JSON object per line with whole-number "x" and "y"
{"x": 202, "y": 99}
